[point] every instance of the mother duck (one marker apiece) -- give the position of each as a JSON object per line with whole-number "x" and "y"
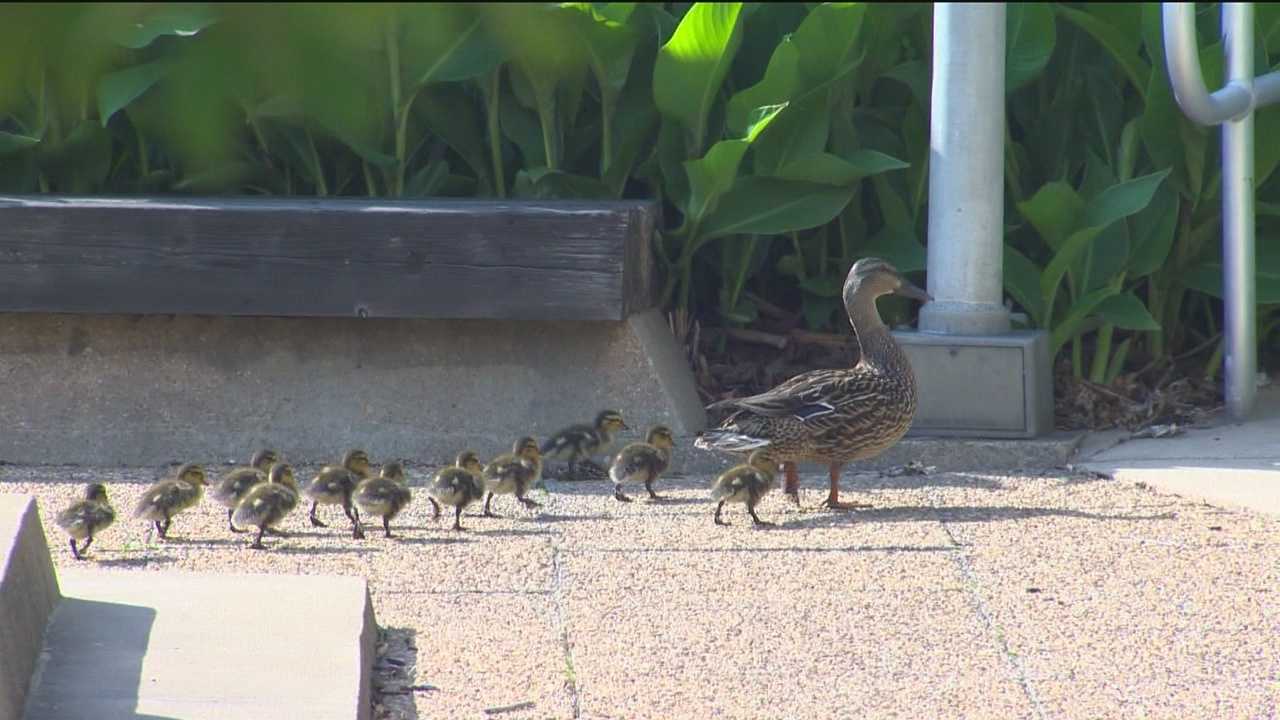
{"x": 832, "y": 417}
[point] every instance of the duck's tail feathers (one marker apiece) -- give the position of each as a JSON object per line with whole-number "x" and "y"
{"x": 728, "y": 441}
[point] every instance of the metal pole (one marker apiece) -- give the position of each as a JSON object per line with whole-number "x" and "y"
{"x": 1232, "y": 106}
{"x": 1238, "y": 218}
{"x": 966, "y": 172}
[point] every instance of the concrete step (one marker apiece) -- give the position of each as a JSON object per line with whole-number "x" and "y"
{"x": 194, "y": 646}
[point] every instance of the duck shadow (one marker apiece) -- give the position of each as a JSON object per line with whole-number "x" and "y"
{"x": 131, "y": 562}
{"x": 819, "y": 518}
{"x": 553, "y": 518}
{"x": 512, "y": 532}
{"x": 449, "y": 540}
{"x": 281, "y": 547}
{"x": 669, "y": 501}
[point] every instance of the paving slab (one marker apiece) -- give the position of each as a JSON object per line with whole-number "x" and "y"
{"x": 1229, "y": 463}
{"x": 193, "y": 646}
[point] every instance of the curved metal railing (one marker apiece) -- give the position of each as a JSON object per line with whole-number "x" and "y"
{"x": 1232, "y": 107}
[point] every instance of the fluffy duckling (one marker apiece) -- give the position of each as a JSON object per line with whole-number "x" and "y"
{"x": 383, "y": 496}
{"x": 514, "y": 473}
{"x": 87, "y": 517}
{"x": 266, "y": 504}
{"x": 333, "y": 485}
{"x": 578, "y": 442}
{"x": 643, "y": 462}
{"x": 457, "y": 486}
{"x": 746, "y": 484}
{"x": 231, "y": 489}
{"x": 165, "y": 499}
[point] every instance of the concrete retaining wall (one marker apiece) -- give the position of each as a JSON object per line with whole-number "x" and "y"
{"x": 28, "y": 594}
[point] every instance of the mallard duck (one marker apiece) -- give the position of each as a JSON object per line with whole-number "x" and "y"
{"x": 383, "y": 496}
{"x": 746, "y": 484}
{"x": 833, "y": 416}
{"x": 165, "y": 499}
{"x": 232, "y": 487}
{"x": 333, "y": 485}
{"x": 266, "y": 504}
{"x": 578, "y": 442}
{"x": 643, "y": 462}
{"x": 86, "y": 518}
{"x": 514, "y": 473}
{"x": 458, "y": 486}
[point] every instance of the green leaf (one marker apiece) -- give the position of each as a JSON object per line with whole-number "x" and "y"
{"x": 609, "y": 44}
{"x": 899, "y": 246}
{"x": 453, "y": 116}
{"x": 712, "y": 176}
{"x": 1127, "y": 311}
{"x": 831, "y": 169}
{"x": 692, "y": 65}
{"x": 428, "y": 180}
{"x": 801, "y": 129}
{"x": 116, "y": 90}
{"x": 817, "y": 310}
{"x": 1022, "y": 280}
{"x": 1152, "y": 233}
{"x": 1030, "y": 36}
{"x": 824, "y": 286}
{"x": 14, "y": 142}
{"x": 634, "y": 124}
{"x": 744, "y": 313}
{"x": 828, "y": 41}
{"x": 543, "y": 184}
{"x": 1122, "y": 45}
{"x": 1122, "y": 200}
{"x": 1065, "y": 257}
{"x": 915, "y": 75}
{"x": 1074, "y": 321}
{"x": 768, "y": 206}
{"x": 1207, "y": 276}
{"x": 180, "y": 19}
{"x": 1055, "y": 211}
{"x": 446, "y": 43}
{"x": 774, "y": 88}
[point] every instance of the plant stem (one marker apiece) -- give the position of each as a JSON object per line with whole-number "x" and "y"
{"x": 1077, "y": 357}
{"x": 547, "y": 118}
{"x": 1102, "y": 353}
{"x": 399, "y": 112}
{"x": 322, "y": 189}
{"x": 369, "y": 185}
{"x": 608, "y": 103}
{"x": 800, "y": 268}
{"x": 492, "y": 100}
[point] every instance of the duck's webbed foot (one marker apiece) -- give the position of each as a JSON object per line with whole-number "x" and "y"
{"x": 619, "y": 495}
{"x": 315, "y": 521}
{"x": 720, "y": 520}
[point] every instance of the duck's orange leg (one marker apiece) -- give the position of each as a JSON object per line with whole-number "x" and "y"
{"x": 792, "y": 486}
{"x": 833, "y": 498}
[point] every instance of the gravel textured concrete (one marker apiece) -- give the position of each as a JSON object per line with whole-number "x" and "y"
{"x": 957, "y": 595}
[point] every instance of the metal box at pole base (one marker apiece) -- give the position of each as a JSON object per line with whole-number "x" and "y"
{"x": 989, "y": 386}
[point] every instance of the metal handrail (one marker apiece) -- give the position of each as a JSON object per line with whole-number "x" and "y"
{"x": 1232, "y": 107}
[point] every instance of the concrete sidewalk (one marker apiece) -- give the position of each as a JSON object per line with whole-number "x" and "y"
{"x": 957, "y": 595}
{"x": 1226, "y": 463}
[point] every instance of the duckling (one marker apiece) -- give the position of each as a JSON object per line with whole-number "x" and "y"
{"x": 746, "y": 484}
{"x": 266, "y": 504}
{"x": 232, "y": 487}
{"x": 458, "y": 486}
{"x": 333, "y": 485}
{"x": 86, "y": 517}
{"x": 165, "y": 499}
{"x": 514, "y": 473}
{"x": 578, "y": 442}
{"x": 383, "y": 496}
{"x": 643, "y": 462}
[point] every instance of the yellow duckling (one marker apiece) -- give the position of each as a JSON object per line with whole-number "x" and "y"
{"x": 514, "y": 473}
{"x": 85, "y": 518}
{"x": 383, "y": 496}
{"x": 579, "y": 442}
{"x": 231, "y": 489}
{"x": 333, "y": 485}
{"x": 746, "y": 484}
{"x": 643, "y": 462}
{"x": 266, "y": 504}
{"x": 165, "y": 499}
{"x": 457, "y": 486}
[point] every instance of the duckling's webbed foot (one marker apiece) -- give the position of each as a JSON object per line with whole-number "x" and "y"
{"x": 487, "y": 499}
{"x": 257, "y": 541}
{"x": 435, "y": 508}
{"x": 75, "y": 552}
{"x": 457, "y": 517}
{"x": 231, "y": 523}
{"x": 719, "y": 509}
{"x": 315, "y": 521}
{"x": 618, "y": 494}
{"x": 529, "y": 503}
{"x": 756, "y": 518}
{"x": 652, "y": 495}
{"x": 386, "y": 526}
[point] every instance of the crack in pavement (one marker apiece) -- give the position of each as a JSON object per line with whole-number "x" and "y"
{"x": 561, "y": 620}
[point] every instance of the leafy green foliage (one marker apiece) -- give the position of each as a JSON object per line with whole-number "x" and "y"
{"x": 784, "y": 141}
